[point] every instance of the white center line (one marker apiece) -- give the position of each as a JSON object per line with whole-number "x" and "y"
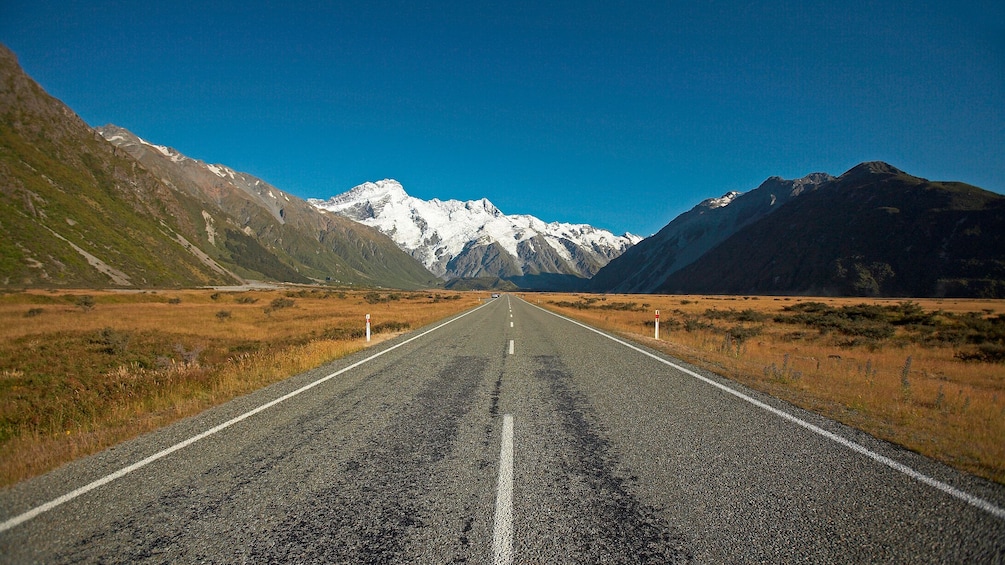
{"x": 511, "y": 347}
{"x": 502, "y": 536}
{"x": 511, "y": 324}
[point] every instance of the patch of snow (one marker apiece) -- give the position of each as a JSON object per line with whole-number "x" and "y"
{"x": 217, "y": 171}
{"x": 723, "y": 200}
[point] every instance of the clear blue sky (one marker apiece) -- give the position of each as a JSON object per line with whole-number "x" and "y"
{"x": 618, "y": 114}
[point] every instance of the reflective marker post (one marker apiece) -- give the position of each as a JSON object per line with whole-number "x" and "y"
{"x": 368, "y": 327}
{"x": 657, "y": 324}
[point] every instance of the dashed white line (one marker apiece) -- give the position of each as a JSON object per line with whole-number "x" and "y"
{"x": 511, "y": 347}
{"x": 502, "y": 535}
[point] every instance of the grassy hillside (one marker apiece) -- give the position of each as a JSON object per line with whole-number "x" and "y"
{"x": 73, "y": 212}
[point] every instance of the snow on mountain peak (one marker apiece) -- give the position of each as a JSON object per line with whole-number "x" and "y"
{"x": 723, "y": 200}
{"x": 436, "y": 232}
{"x": 375, "y": 190}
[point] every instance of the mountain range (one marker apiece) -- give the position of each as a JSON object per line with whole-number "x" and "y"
{"x": 318, "y": 246}
{"x": 873, "y": 231}
{"x": 473, "y": 239}
{"x": 83, "y": 207}
{"x": 79, "y": 211}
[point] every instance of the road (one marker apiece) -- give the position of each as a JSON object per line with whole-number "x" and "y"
{"x": 506, "y": 435}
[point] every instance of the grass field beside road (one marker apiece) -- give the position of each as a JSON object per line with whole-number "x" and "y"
{"x": 83, "y": 370}
{"x": 926, "y": 374}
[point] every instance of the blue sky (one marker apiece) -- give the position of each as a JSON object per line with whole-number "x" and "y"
{"x": 617, "y": 114}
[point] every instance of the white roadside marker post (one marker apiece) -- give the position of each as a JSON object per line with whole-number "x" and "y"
{"x": 368, "y": 327}
{"x": 657, "y": 324}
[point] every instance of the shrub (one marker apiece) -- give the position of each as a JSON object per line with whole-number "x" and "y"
{"x": 344, "y": 334}
{"x": 111, "y": 341}
{"x": 984, "y": 353}
{"x": 692, "y": 324}
{"x": 85, "y": 302}
{"x": 743, "y": 333}
{"x": 280, "y": 303}
{"x": 748, "y": 315}
{"x": 391, "y": 327}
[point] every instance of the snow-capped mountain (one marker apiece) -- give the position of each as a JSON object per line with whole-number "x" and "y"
{"x": 475, "y": 239}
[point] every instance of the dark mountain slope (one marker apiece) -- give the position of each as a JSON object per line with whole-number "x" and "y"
{"x": 645, "y": 266}
{"x": 874, "y": 231}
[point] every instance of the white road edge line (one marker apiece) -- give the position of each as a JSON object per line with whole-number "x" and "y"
{"x": 502, "y": 534}
{"x": 21, "y": 518}
{"x": 973, "y": 500}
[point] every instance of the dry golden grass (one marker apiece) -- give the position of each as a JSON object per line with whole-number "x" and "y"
{"x": 905, "y": 389}
{"x": 80, "y": 374}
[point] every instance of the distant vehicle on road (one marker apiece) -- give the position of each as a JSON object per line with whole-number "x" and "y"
{"x": 495, "y": 295}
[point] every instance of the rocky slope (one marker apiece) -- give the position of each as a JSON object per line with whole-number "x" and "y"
{"x": 316, "y": 245}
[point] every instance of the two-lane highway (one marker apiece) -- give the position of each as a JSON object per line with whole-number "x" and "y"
{"x": 507, "y": 434}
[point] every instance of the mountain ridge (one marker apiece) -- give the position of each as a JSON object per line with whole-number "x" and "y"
{"x": 318, "y": 246}
{"x": 473, "y": 239}
{"x": 687, "y": 237}
{"x": 75, "y": 212}
{"x": 875, "y": 230}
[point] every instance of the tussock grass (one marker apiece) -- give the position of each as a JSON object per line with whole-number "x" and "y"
{"x": 79, "y": 374}
{"x": 923, "y": 374}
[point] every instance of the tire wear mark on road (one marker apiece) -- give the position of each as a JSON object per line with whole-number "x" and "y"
{"x": 493, "y": 413}
{"x": 369, "y": 507}
{"x": 616, "y": 527}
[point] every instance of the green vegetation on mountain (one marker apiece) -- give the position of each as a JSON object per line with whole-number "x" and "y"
{"x": 78, "y": 211}
{"x": 74, "y": 212}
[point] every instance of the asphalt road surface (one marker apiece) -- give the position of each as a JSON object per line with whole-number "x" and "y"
{"x": 505, "y": 435}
